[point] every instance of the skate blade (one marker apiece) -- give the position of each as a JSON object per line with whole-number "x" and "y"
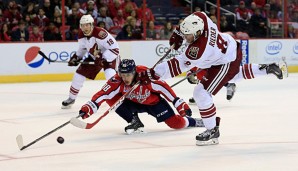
{"x": 138, "y": 131}
{"x": 213, "y": 141}
{"x": 66, "y": 107}
{"x": 191, "y": 103}
{"x": 284, "y": 68}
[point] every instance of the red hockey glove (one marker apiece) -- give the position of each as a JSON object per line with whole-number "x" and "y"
{"x": 182, "y": 107}
{"x": 146, "y": 76}
{"x": 88, "y": 109}
{"x": 74, "y": 60}
{"x": 176, "y": 38}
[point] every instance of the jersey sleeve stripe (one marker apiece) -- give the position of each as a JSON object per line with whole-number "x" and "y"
{"x": 165, "y": 92}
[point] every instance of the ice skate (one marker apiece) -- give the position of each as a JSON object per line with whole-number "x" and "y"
{"x": 66, "y": 104}
{"x": 231, "y": 89}
{"x": 280, "y": 71}
{"x": 191, "y": 101}
{"x": 208, "y": 137}
{"x": 135, "y": 126}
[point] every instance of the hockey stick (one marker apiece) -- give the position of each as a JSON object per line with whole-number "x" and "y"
{"x": 194, "y": 73}
{"x": 20, "y": 142}
{"x": 81, "y": 124}
{"x": 48, "y": 59}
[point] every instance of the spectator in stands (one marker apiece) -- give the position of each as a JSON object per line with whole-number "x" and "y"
{"x": 103, "y": 17}
{"x": 21, "y": 33}
{"x": 5, "y": 35}
{"x": 73, "y": 20}
{"x": 35, "y": 35}
{"x": 41, "y": 20}
{"x": 102, "y": 24}
{"x": 243, "y": 24}
{"x": 213, "y": 18}
{"x": 101, "y": 3}
{"x": 57, "y": 18}
{"x": 291, "y": 32}
{"x": 136, "y": 31}
{"x": 242, "y": 13}
{"x": 30, "y": 10}
{"x": 212, "y": 11}
{"x": 72, "y": 33}
{"x": 266, "y": 11}
{"x": 198, "y": 9}
{"x": 90, "y": 8}
{"x": 166, "y": 32}
{"x": 128, "y": 6}
{"x": 48, "y": 9}
{"x": 79, "y": 10}
{"x": 12, "y": 14}
{"x": 52, "y": 33}
{"x": 138, "y": 19}
{"x": 147, "y": 11}
{"x": 226, "y": 26}
{"x": 125, "y": 34}
{"x": 252, "y": 9}
{"x": 258, "y": 25}
{"x": 119, "y": 19}
{"x": 114, "y": 7}
{"x": 151, "y": 33}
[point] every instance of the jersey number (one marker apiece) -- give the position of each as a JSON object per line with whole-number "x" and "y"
{"x": 221, "y": 44}
{"x": 106, "y": 87}
{"x": 110, "y": 42}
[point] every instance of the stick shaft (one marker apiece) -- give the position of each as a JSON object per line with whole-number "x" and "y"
{"x": 45, "y": 135}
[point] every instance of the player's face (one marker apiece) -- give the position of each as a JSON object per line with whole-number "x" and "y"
{"x": 127, "y": 78}
{"x": 189, "y": 38}
{"x": 86, "y": 28}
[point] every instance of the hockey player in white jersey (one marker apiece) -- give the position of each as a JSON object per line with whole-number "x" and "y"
{"x": 101, "y": 47}
{"x": 220, "y": 55}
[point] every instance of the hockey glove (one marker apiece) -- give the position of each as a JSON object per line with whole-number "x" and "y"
{"x": 147, "y": 75}
{"x": 191, "y": 77}
{"x": 176, "y": 38}
{"x": 88, "y": 109}
{"x": 74, "y": 60}
{"x": 182, "y": 107}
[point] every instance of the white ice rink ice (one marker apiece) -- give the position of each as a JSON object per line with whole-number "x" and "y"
{"x": 259, "y": 131}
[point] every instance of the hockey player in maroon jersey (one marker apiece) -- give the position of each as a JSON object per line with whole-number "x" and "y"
{"x": 101, "y": 47}
{"x": 220, "y": 55}
{"x": 145, "y": 98}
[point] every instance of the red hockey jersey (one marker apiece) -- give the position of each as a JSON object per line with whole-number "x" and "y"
{"x": 148, "y": 94}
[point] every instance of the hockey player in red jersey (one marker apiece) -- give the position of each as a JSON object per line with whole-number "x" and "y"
{"x": 220, "y": 55}
{"x": 101, "y": 48}
{"x": 145, "y": 98}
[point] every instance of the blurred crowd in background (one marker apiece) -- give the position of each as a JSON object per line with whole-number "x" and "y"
{"x": 41, "y": 20}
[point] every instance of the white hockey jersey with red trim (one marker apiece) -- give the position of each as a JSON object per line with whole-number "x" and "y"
{"x": 148, "y": 94}
{"x": 211, "y": 48}
{"x": 99, "y": 41}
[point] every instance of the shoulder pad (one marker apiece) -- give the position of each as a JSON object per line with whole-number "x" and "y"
{"x": 99, "y": 33}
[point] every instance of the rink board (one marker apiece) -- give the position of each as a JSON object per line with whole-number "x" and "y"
{"x": 22, "y": 63}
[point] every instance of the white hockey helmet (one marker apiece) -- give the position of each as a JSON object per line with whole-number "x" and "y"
{"x": 85, "y": 19}
{"x": 192, "y": 24}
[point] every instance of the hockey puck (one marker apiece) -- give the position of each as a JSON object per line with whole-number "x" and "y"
{"x": 60, "y": 140}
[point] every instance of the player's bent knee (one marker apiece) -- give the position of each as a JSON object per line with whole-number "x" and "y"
{"x": 176, "y": 122}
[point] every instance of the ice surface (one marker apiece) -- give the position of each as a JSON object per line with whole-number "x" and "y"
{"x": 259, "y": 131}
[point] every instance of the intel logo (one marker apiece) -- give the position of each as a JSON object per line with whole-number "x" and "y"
{"x": 273, "y": 48}
{"x": 295, "y": 48}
